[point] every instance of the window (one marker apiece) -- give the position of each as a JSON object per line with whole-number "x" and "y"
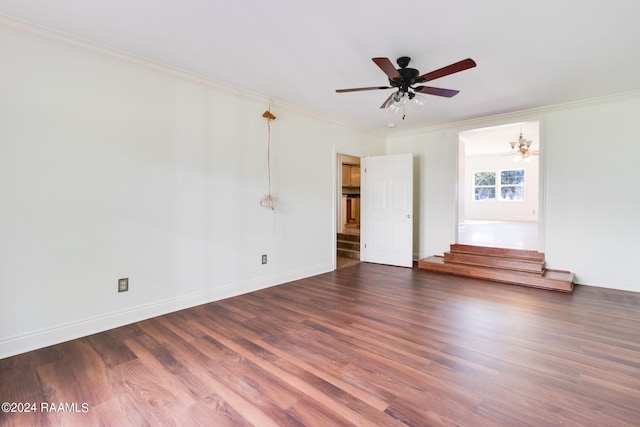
{"x": 510, "y": 187}
{"x": 485, "y": 186}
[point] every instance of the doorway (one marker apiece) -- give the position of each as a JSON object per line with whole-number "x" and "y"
{"x": 348, "y": 211}
{"x": 499, "y": 182}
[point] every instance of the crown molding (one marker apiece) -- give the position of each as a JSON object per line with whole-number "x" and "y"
{"x": 529, "y": 114}
{"x": 596, "y": 100}
{"x": 67, "y": 41}
{"x": 328, "y": 119}
{"x": 78, "y": 44}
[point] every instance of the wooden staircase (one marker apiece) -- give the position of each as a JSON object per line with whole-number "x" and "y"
{"x": 514, "y": 266}
{"x": 349, "y": 245}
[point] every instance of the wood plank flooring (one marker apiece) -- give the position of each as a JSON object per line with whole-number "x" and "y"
{"x": 367, "y": 345}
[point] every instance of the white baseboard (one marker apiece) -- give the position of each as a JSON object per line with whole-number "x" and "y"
{"x": 22, "y": 343}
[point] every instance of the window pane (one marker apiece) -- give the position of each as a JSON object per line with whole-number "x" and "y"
{"x": 512, "y": 193}
{"x": 486, "y": 193}
{"x": 485, "y": 178}
{"x": 512, "y": 177}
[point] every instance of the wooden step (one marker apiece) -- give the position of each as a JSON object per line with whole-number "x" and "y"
{"x": 525, "y": 264}
{"x": 556, "y": 280}
{"x": 497, "y": 252}
{"x": 515, "y": 266}
{"x": 348, "y": 253}
{"x": 354, "y": 246}
{"x": 348, "y": 245}
{"x": 348, "y": 237}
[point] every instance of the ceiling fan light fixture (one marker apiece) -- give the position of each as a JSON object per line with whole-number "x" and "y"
{"x": 397, "y": 102}
{"x": 419, "y": 100}
{"x": 399, "y": 97}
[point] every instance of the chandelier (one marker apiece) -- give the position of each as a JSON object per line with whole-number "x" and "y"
{"x": 521, "y": 148}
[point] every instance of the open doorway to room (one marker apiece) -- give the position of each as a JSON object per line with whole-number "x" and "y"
{"x": 348, "y": 211}
{"x": 498, "y": 195}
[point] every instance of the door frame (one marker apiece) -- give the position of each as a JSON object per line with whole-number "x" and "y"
{"x": 337, "y": 192}
{"x": 542, "y": 127}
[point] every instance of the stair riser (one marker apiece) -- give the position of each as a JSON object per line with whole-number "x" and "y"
{"x": 495, "y": 262}
{"x": 498, "y": 252}
{"x": 348, "y": 237}
{"x": 349, "y": 245}
{"x": 348, "y": 254}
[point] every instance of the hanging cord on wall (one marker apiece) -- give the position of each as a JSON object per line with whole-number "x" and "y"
{"x": 268, "y": 201}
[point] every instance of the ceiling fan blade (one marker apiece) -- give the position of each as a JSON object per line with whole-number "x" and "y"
{"x": 448, "y": 93}
{"x": 387, "y": 101}
{"x": 356, "y": 89}
{"x": 465, "y": 64}
{"x": 387, "y": 66}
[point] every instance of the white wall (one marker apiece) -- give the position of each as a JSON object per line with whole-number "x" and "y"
{"x": 110, "y": 170}
{"x": 591, "y": 192}
{"x": 501, "y": 210}
{"x": 589, "y": 172}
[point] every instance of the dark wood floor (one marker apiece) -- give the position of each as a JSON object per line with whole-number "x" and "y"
{"x": 364, "y": 345}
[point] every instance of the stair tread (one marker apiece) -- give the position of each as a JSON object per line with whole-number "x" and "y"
{"x": 523, "y": 254}
{"x": 348, "y": 250}
{"x": 559, "y": 280}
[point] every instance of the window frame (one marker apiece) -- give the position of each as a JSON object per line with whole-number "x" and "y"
{"x": 484, "y": 186}
{"x": 497, "y": 186}
{"x": 520, "y": 185}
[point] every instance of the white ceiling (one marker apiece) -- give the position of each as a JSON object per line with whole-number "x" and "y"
{"x": 529, "y": 54}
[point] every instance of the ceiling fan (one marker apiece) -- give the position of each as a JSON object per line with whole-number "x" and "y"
{"x": 404, "y": 79}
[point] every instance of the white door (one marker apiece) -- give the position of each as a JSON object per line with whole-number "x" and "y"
{"x": 386, "y": 234}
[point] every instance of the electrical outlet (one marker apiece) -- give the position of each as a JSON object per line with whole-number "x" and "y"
{"x": 264, "y": 258}
{"x": 123, "y": 285}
